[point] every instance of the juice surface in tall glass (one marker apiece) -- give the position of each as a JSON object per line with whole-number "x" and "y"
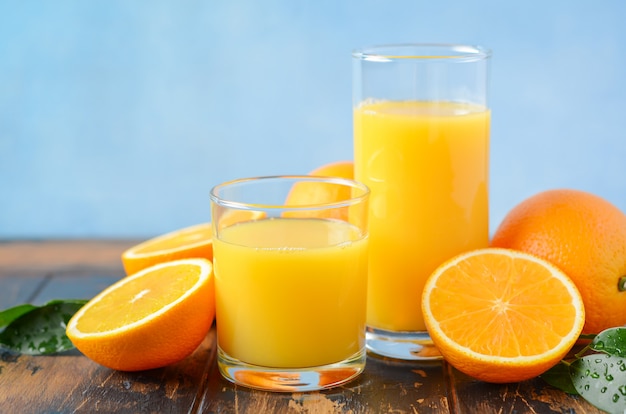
{"x": 426, "y": 164}
{"x": 297, "y": 306}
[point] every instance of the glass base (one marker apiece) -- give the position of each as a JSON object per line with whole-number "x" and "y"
{"x": 409, "y": 345}
{"x": 290, "y": 379}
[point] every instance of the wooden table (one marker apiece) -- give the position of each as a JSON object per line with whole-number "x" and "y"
{"x": 35, "y": 272}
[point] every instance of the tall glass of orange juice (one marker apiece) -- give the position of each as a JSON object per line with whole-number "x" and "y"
{"x": 290, "y": 262}
{"x": 421, "y": 144}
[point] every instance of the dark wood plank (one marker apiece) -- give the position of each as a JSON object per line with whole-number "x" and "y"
{"x": 532, "y": 396}
{"x": 17, "y": 288}
{"x": 71, "y": 383}
{"x": 77, "y": 284}
{"x": 50, "y": 256}
{"x": 386, "y": 386}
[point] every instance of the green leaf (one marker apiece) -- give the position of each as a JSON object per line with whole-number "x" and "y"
{"x": 39, "y": 330}
{"x": 601, "y": 380}
{"x": 9, "y": 315}
{"x": 587, "y": 336}
{"x": 611, "y": 341}
{"x": 559, "y": 376}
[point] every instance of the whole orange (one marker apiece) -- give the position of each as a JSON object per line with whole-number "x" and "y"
{"x": 304, "y": 193}
{"x": 344, "y": 169}
{"x": 582, "y": 234}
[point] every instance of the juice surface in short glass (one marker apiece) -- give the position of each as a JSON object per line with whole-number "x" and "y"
{"x": 300, "y": 306}
{"x": 426, "y": 164}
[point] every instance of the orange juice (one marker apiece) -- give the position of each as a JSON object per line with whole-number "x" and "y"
{"x": 290, "y": 292}
{"x": 426, "y": 164}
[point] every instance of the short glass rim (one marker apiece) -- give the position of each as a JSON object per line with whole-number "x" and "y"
{"x": 422, "y": 51}
{"x": 363, "y": 193}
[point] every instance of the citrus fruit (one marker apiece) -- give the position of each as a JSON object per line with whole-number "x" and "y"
{"x": 500, "y": 315}
{"x": 151, "y": 319}
{"x": 230, "y": 217}
{"x": 311, "y": 193}
{"x": 582, "y": 234}
{"x": 343, "y": 169}
{"x": 189, "y": 242}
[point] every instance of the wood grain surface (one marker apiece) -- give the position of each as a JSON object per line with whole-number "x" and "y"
{"x": 36, "y": 272}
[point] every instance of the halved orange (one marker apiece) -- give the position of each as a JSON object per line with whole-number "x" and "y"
{"x": 150, "y": 319}
{"x": 190, "y": 242}
{"x": 501, "y": 315}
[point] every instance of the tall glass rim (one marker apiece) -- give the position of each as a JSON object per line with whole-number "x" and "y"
{"x": 362, "y": 195}
{"x": 413, "y": 51}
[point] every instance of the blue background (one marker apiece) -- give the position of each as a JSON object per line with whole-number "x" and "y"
{"x": 117, "y": 117}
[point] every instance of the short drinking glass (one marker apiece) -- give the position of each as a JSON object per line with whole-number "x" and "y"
{"x": 290, "y": 261}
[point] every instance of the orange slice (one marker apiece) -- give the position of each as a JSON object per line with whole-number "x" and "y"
{"x": 189, "y": 242}
{"x": 500, "y": 315}
{"x": 151, "y": 319}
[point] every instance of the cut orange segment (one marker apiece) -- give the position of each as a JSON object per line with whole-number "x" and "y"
{"x": 500, "y": 315}
{"x": 151, "y": 319}
{"x": 189, "y": 242}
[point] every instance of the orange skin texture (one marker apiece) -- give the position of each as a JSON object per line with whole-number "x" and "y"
{"x": 582, "y": 234}
{"x": 343, "y": 169}
{"x": 318, "y": 193}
